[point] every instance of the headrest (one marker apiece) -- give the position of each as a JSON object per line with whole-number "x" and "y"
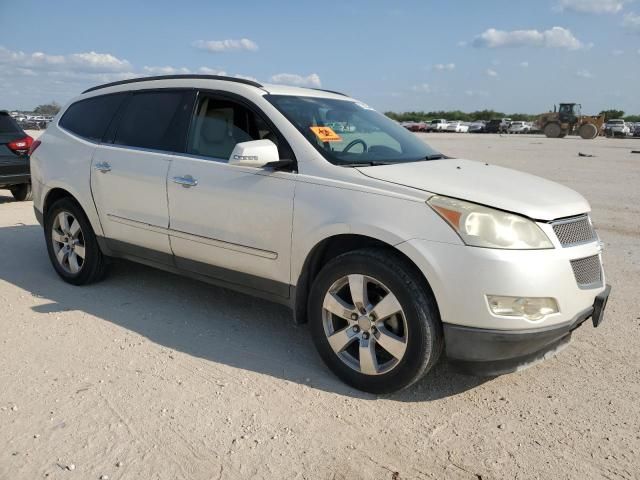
{"x": 216, "y": 126}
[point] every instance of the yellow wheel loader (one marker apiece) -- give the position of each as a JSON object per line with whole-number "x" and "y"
{"x": 568, "y": 120}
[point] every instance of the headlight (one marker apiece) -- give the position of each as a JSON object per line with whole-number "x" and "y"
{"x": 486, "y": 227}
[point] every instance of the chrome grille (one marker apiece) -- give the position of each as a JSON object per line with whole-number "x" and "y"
{"x": 574, "y": 231}
{"x": 588, "y": 271}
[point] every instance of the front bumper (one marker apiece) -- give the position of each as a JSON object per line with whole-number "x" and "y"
{"x": 494, "y": 352}
{"x": 461, "y": 277}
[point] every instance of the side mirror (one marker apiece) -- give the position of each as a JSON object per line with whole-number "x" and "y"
{"x": 255, "y": 154}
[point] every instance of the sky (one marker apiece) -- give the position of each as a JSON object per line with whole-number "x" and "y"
{"x": 402, "y": 55}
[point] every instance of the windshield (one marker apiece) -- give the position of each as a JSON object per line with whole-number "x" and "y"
{"x": 347, "y": 133}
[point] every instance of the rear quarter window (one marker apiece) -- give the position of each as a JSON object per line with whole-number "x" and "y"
{"x": 90, "y": 118}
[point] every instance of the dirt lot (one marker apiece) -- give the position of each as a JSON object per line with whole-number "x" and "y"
{"x": 148, "y": 375}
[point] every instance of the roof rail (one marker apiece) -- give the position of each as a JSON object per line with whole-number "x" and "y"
{"x": 175, "y": 77}
{"x": 330, "y": 91}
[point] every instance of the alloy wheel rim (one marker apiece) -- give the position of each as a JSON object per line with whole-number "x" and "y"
{"x": 365, "y": 324}
{"x": 68, "y": 242}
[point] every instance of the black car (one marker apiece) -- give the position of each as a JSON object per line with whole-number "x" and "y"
{"x": 14, "y": 158}
{"x": 498, "y": 125}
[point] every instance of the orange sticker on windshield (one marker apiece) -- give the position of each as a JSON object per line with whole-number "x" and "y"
{"x": 326, "y": 134}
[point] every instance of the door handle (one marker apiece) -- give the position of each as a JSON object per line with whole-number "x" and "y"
{"x": 187, "y": 181}
{"x": 103, "y": 167}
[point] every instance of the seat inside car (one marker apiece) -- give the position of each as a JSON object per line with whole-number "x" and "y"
{"x": 215, "y": 133}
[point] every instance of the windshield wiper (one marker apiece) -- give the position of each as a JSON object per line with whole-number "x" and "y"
{"x": 435, "y": 156}
{"x": 363, "y": 164}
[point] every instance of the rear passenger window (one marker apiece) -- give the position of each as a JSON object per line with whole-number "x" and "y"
{"x": 90, "y": 118}
{"x": 153, "y": 120}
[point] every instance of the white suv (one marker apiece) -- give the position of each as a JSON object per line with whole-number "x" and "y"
{"x": 390, "y": 250}
{"x": 617, "y": 127}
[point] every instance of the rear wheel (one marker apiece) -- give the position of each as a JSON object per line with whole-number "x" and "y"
{"x": 72, "y": 245}
{"x": 374, "y": 322}
{"x": 22, "y": 193}
{"x": 552, "y": 130}
{"x": 588, "y": 131}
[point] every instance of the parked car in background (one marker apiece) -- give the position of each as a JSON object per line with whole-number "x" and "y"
{"x": 438, "y": 125}
{"x": 617, "y": 128}
{"x": 636, "y": 130}
{"x": 243, "y": 185}
{"x": 457, "y": 127}
{"x": 478, "y": 127}
{"x": 341, "y": 127}
{"x": 498, "y": 125}
{"x": 418, "y": 127}
{"x": 534, "y": 128}
{"x": 14, "y": 158}
{"x": 519, "y": 127}
{"x": 31, "y": 125}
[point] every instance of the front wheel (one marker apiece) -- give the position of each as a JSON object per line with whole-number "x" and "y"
{"x": 374, "y": 321}
{"x": 552, "y": 130}
{"x": 588, "y": 131}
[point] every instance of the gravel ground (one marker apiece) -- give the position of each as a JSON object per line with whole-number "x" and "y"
{"x": 152, "y": 376}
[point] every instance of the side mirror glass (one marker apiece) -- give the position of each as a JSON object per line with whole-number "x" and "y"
{"x": 255, "y": 154}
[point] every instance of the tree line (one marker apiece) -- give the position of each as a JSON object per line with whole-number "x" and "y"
{"x": 47, "y": 109}
{"x": 420, "y": 116}
{"x": 53, "y": 108}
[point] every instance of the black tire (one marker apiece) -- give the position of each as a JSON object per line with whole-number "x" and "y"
{"x": 94, "y": 264}
{"x": 22, "y": 193}
{"x": 552, "y": 130}
{"x": 424, "y": 329}
{"x": 588, "y": 131}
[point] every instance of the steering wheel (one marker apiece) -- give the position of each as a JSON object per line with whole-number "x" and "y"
{"x": 354, "y": 143}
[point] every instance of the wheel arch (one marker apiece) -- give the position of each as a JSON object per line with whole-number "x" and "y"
{"x": 331, "y": 247}
{"x": 58, "y": 192}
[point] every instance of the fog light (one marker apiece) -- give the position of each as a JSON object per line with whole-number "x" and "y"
{"x": 530, "y": 308}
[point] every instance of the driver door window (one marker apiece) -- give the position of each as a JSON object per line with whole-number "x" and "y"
{"x": 220, "y": 124}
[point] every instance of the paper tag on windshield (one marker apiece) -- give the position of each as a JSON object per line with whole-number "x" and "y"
{"x": 326, "y": 134}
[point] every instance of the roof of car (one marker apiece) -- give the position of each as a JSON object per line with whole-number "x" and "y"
{"x": 269, "y": 88}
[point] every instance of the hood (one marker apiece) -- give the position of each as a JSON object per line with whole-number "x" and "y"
{"x": 486, "y": 184}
